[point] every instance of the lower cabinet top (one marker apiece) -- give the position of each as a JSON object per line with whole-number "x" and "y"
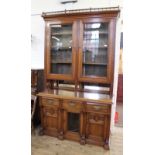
{"x": 80, "y": 96}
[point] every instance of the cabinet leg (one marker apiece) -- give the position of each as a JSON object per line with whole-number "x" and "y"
{"x": 61, "y": 135}
{"x": 106, "y": 145}
{"x": 41, "y": 131}
{"x": 82, "y": 140}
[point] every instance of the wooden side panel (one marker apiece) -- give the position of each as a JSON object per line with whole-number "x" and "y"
{"x": 120, "y": 88}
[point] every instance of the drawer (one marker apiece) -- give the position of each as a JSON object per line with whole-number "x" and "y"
{"x": 97, "y": 108}
{"x": 72, "y": 106}
{"x": 50, "y": 102}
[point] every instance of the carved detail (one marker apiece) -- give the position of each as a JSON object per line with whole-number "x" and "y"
{"x": 106, "y": 145}
{"x": 41, "y": 131}
{"x": 50, "y": 112}
{"x": 50, "y": 101}
{"x": 48, "y": 85}
{"x": 96, "y": 118}
{"x": 83, "y": 140}
{"x": 61, "y": 135}
{"x": 97, "y": 107}
{"x": 109, "y": 12}
{"x": 72, "y": 104}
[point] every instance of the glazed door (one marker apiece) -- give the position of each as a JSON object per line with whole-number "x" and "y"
{"x": 96, "y": 50}
{"x": 61, "y": 50}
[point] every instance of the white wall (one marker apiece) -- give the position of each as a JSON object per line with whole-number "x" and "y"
{"x": 39, "y": 6}
{"x": 117, "y": 52}
{"x": 37, "y": 31}
{"x": 37, "y": 42}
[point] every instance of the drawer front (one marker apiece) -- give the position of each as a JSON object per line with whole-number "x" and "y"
{"x": 50, "y": 102}
{"x": 72, "y": 106}
{"x": 99, "y": 108}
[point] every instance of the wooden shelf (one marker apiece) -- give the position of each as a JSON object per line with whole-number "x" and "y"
{"x": 61, "y": 48}
{"x": 58, "y": 34}
{"x": 94, "y": 63}
{"x": 59, "y": 62}
{"x": 100, "y": 33}
{"x": 93, "y": 29}
{"x": 101, "y": 47}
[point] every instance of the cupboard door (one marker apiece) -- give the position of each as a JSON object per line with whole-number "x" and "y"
{"x": 95, "y": 128}
{"x": 73, "y": 118}
{"x": 61, "y": 51}
{"x": 50, "y": 120}
{"x": 72, "y": 125}
{"x": 95, "y": 52}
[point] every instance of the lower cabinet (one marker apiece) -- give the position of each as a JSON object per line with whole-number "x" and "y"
{"x": 98, "y": 124}
{"x": 50, "y": 116}
{"x": 75, "y": 120}
{"x": 95, "y": 128}
{"x": 50, "y": 120}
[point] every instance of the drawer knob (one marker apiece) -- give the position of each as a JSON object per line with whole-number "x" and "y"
{"x": 48, "y": 113}
{"x": 72, "y": 104}
{"x": 97, "y": 107}
{"x": 49, "y": 101}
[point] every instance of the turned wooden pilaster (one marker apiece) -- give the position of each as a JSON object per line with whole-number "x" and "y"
{"x": 60, "y": 122}
{"x": 83, "y": 125}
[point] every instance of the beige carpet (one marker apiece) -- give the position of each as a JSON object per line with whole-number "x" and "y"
{"x": 45, "y": 145}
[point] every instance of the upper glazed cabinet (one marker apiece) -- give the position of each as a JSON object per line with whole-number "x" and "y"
{"x": 80, "y": 47}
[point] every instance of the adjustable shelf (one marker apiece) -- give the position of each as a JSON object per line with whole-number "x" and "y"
{"x": 60, "y": 62}
{"x": 95, "y": 63}
{"x": 64, "y": 33}
{"x": 97, "y": 47}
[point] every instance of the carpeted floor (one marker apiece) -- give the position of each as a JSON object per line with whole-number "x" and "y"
{"x": 46, "y": 145}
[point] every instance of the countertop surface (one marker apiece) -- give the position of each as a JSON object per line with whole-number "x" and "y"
{"x": 75, "y": 95}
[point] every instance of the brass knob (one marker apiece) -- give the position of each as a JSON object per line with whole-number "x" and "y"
{"x": 50, "y": 101}
{"x": 72, "y": 104}
{"x": 97, "y": 107}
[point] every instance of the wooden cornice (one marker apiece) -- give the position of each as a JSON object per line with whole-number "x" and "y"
{"x": 106, "y": 12}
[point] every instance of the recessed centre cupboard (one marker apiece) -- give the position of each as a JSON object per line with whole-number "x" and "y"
{"x": 79, "y": 72}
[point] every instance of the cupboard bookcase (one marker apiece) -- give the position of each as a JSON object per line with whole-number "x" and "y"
{"x": 79, "y": 70}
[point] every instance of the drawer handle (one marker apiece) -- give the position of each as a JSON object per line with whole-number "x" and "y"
{"x": 72, "y": 104}
{"x": 51, "y": 112}
{"x": 97, "y": 107}
{"x": 48, "y": 113}
{"x": 49, "y": 101}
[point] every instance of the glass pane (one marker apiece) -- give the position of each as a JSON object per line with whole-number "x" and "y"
{"x": 73, "y": 122}
{"x": 95, "y": 49}
{"x": 61, "y": 49}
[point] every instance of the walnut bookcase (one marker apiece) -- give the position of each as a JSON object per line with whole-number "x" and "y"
{"x": 79, "y": 70}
